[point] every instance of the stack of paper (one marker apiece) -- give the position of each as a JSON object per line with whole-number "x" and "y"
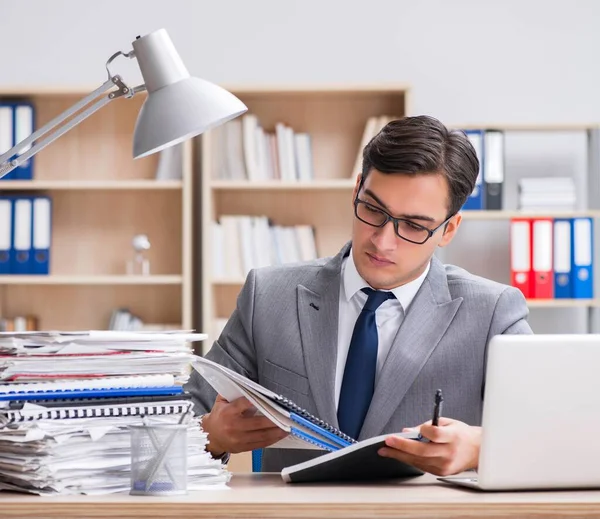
{"x": 547, "y": 193}
{"x": 67, "y": 401}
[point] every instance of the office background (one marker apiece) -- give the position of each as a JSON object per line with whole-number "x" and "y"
{"x": 472, "y": 63}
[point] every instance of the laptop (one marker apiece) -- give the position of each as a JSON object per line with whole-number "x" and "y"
{"x": 541, "y": 414}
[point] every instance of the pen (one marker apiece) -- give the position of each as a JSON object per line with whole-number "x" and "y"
{"x": 437, "y": 411}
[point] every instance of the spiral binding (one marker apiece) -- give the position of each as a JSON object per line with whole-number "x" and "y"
{"x": 91, "y": 412}
{"x": 295, "y": 408}
{"x": 308, "y": 439}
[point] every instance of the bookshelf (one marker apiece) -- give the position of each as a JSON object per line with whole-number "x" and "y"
{"x": 536, "y": 150}
{"x": 101, "y": 198}
{"x": 335, "y": 118}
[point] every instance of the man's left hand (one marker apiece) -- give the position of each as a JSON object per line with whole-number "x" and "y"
{"x": 453, "y": 447}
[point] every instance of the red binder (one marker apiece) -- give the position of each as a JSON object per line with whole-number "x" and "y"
{"x": 521, "y": 274}
{"x": 542, "y": 232}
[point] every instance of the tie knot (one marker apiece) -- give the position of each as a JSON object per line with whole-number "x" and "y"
{"x": 376, "y": 298}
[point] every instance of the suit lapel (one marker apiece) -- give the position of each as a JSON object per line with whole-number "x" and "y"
{"x": 318, "y": 311}
{"x": 425, "y": 323}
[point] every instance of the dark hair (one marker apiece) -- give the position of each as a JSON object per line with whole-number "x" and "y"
{"x": 423, "y": 145}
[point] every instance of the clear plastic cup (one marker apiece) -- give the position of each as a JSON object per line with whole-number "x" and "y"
{"x": 158, "y": 459}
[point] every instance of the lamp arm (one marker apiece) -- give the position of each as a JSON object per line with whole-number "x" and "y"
{"x": 43, "y": 137}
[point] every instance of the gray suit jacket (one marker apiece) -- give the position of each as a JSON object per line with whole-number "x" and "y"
{"x": 283, "y": 334}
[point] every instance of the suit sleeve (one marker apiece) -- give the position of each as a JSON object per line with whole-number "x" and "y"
{"x": 233, "y": 349}
{"x": 510, "y": 314}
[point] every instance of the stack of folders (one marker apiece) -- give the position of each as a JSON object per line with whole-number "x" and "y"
{"x": 67, "y": 400}
{"x": 552, "y": 257}
{"x": 547, "y": 194}
{"x": 17, "y": 121}
{"x": 25, "y": 234}
{"x": 489, "y": 188}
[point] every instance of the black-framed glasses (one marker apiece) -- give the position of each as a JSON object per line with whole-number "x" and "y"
{"x": 405, "y": 229}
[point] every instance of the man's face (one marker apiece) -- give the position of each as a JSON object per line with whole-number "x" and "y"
{"x": 382, "y": 258}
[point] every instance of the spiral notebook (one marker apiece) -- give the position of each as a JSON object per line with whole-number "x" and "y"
{"x": 305, "y": 430}
{"x": 34, "y": 413}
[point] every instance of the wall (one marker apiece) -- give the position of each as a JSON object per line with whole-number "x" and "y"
{"x": 468, "y": 60}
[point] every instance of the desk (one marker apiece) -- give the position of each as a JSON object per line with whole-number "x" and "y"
{"x": 265, "y": 495}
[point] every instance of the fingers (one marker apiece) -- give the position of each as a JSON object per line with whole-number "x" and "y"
{"x": 430, "y": 465}
{"x": 256, "y": 440}
{"x": 416, "y": 448}
{"x": 253, "y": 423}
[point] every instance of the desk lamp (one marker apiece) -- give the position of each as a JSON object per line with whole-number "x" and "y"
{"x": 178, "y": 106}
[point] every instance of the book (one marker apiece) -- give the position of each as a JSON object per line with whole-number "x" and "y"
{"x": 358, "y": 462}
{"x": 306, "y": 431}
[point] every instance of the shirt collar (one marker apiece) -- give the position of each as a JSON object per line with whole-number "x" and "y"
{"x": 353, "y": 282}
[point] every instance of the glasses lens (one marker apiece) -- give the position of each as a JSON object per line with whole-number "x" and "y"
{"x": 370, "y": 214}
{"x": 412, "y": 232}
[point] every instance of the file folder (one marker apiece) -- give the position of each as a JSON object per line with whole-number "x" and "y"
{"x": 22, "y": 232}
{"x": 543, "y": 271}
{"x": 6, "y": 217}
{"x": 520, "y": 255}
{"x": 23, "y": 127}
{"x": 42, "y": 235}
{"x": 476, "y": 198}
{"x": 563, "y": 283}
{"x": 7, "y": 133}
{"x": 493, "y": 169}
{"x": 582, "y": 250}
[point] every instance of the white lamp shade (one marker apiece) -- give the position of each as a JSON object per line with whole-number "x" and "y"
{"x": 178, "y": 106}
{"x": 181, "y": 111}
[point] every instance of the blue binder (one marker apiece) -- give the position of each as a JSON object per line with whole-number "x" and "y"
{"x": 563, "y": 264}
{"x": 6, "y": 234}
{"x": 582, "y": 251}
{"x": 23, "y": 127}
{"x": 7, "y": 133}
{"x": 477, "y": 197}
{"x": 22, "y": 234}
{"x": 42, "y": 235}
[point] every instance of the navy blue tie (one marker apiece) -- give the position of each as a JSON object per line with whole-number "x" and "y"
{"x": 358, "y": 383}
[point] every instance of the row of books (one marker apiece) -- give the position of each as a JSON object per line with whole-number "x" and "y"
{"x": 547, "y": 194}
{"x": 241, "y": 243}
{"x": 488, "y": 192}
{"x": 68, "y": 400}
{"x": 373, "y": 126}
{"x": 123, "y": 319}
{"x": 17, "y": 122}
{"x": 244, "y": 150}
{"x": 552, "y": 257}
{"x": 25, "y": 234}
{"x": 19, "y": 323}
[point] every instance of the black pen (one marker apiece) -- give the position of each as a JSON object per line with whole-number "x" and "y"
{"x": 437, "y": 411}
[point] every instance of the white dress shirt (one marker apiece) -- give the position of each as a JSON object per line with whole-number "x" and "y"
{"x": 388, "y": 317}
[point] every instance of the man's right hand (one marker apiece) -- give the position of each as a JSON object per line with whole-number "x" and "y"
{"x": 232, "y": 428}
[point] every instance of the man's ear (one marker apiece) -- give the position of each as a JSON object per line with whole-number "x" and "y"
{"x": 356, "y": 187}
{"x": 450, "y": 230}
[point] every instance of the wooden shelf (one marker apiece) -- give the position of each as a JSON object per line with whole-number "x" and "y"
{"x": 101, "y": 185}
{"x": 91, "y": 280}
{"x": 512, "y": 127}
{"x": 562, "y": 303}
{"x": 504, "y": 215}
{"x": 224, "y": 185}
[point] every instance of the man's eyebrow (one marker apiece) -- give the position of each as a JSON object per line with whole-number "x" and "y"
{"x": 406, "y": 216}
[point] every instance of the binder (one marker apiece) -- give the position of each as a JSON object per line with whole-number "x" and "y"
{"x": 493, "y": 169}
{"x": 520, "y": 255}
{"x": 563, "y": 282}
{"x": 90, "y": 393}
{"x": 304, "y": 428}
{"x": 6, "y": 217}
{"x": 23, "y": 124}
{"x": 543, "y": 272}
{"x": 22, "y": 233}
{"x": 476, "y": 198}
{"x": 42, "y": 235}
{"x": 7, "y": 137}
{"x": 582, "y": 256}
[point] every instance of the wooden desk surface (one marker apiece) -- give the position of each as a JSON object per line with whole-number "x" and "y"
{"x": 265, "y": 495}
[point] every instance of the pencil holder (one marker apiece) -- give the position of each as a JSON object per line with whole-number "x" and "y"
{"x": 158, "y": 459}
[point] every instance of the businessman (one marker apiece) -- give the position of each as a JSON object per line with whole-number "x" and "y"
{"x": 363, "y": 339}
